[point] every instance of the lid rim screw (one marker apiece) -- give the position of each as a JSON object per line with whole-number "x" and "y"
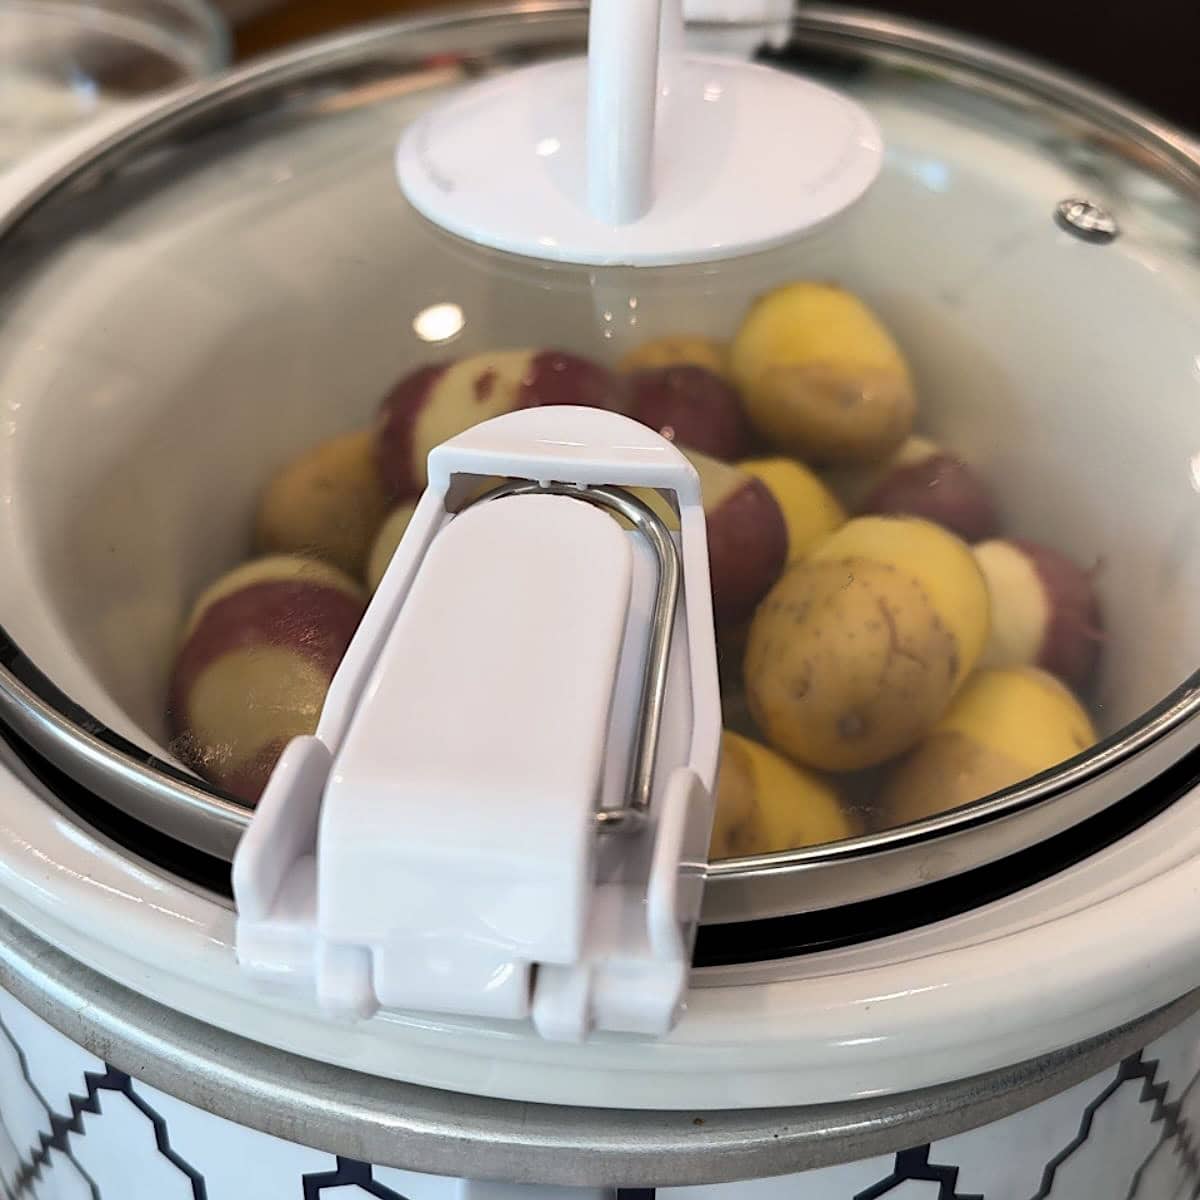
{"x": 1086, "y": 221}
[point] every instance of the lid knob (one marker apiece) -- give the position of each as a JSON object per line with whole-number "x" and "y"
{"x": 514, "y": 766}
{"x": 642, "y": 154}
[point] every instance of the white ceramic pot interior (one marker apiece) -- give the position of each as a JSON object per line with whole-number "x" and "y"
{"x": 203, "y": 325}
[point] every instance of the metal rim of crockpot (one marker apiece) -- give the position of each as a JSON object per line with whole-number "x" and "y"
{"x": 416, "y": 1128}
{"x": 864, "y": 868}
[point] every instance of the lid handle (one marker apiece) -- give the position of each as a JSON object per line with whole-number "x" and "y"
{"x": 624, "y": 42}
{"x": 631, "y": 44}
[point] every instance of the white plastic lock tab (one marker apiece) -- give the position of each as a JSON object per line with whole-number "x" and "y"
{"x": 438, "y": 844}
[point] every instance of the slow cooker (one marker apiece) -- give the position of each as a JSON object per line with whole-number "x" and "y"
{"x": 455, "y": 926}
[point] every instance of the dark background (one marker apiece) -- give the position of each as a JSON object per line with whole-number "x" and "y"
{"x": 1147, "y": 50}
{"x": 1150, "y": 51}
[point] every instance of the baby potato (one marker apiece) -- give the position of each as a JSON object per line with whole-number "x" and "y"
{"x": 942, "y": 564}
{"x": 765, "y": 804}
{"x": 852, "y": 483}
{"x": 255, "y": 661}
{"x": 939, "y": 487}
{"x": 810, "y": 510}
{"x": 858, "y": 649}
{"x": 822, "y": 379}
{"x": 388, "y": 538}
{"x": 1003, "y": 727}
{"x": 329, "y": 502}
{"x": 848, "y": 664}
{"x": 435, "y": 403}
{"x": 687, "y": 349}
{"x": 747, "y": 537}
{"x": 691, "y": 406}
{"x": 1044, "y": 610}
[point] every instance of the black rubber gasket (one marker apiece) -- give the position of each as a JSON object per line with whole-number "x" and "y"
{"x": 741, "y": 942}
{"x": 807, "y": 933}
{"x": 164, "y": 852}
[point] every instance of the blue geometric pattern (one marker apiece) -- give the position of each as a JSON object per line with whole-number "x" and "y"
{"x": 1132, "y": 1068}
{"x": 914, "y": 1165}
{"x": 1166, "y": 1166}
{"x": 348, "y": 1174}
{"x": 32, "y": 1168}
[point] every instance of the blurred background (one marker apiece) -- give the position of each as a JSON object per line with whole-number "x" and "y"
{"x": 1149, "y": 50}
{"x": 66, "y": 63}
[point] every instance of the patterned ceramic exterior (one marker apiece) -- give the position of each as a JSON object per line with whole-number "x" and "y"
{"x": 74, "y": 1128}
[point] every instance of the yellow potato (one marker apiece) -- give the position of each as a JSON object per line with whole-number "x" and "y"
{"x": 848, "y": 663}
{"x": 822, "y": 379}
{"x": 810, "y": 510}
{"x": 1004, "y": 726}
{"x": 858, "y": 649}
{"x": 328, "y": 502}
{"x": 683, "y": 350}
{"x": 943, "y": 565}
{"x": 765, "y": 804}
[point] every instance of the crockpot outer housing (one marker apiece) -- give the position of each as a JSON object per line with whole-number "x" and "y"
{"x": 938, "y": 1003}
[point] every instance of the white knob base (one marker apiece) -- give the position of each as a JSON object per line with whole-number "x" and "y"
{"x": 745, "y": 157}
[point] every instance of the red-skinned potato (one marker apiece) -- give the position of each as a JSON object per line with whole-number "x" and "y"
{"x": 435, "y": 403}
{"x": 328, "y": 502}
{"x": 691, "y": 406}
{"x": 859, "y": 648}
{"x": 254, "y": 664}
{"x": 927, "y": 481}
{"x": 747, "y": 538}
{"x": 1044, "y": 610}
{"x": 810, "y": 510}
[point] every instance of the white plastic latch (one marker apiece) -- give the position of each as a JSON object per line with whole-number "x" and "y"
{"x": 506, "y": 807}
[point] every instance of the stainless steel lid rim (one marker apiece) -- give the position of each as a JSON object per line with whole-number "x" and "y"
{"x": 920, "y": 1010}
{"x": 200, "y": 816}
{"x": 746, "y": 942}
{"x": 771, "y": 938}
{"x": 422, "y": 1129}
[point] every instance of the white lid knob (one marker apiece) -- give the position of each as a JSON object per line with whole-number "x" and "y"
{"x": 644, "y": 154}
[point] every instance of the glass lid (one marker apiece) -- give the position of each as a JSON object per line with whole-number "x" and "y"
{"x": 949, "y": 444}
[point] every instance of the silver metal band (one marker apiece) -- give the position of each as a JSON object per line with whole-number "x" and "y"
{"x": 421, "y": 1129}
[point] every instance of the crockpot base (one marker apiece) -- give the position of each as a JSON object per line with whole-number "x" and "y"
{"x": 73, "y": 1124}
{"x": 98, "y": 1050}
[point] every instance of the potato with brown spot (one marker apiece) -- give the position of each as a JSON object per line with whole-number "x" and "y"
{"x": 765, "y": 804}
{"x": 859, "y": 648}
{"x": 821, "y": 377}
{"x": 328, "y": 502}
{"x": 1003, "y": 727}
